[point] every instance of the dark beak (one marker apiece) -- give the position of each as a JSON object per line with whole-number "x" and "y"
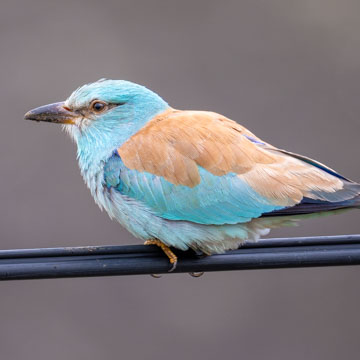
{"x": 55, "y": 113}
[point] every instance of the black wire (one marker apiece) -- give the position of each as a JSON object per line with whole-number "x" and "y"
{"x": 21, "y": 264}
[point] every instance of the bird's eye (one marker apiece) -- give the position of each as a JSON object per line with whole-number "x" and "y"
{"x": 98, "y": 106}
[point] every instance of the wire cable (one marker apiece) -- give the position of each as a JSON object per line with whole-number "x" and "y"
{"x": 66, "y": 262}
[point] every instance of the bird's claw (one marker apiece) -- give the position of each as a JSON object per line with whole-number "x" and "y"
{"x": 173, "y": 264}
{"x": 173, "y": 267}
{"x": 196, "y": 274}
{"x": 155, "y": 276}
{"x": 168, "y": 252}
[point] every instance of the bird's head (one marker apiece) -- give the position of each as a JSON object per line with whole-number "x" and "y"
{"x": 104, "y": 113}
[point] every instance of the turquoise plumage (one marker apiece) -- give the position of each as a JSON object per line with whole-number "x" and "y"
{"x": 233, "y": 202}
{"x": 186, "y": 178}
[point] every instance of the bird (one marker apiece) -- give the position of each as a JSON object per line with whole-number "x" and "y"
{"x": 185, "y": 179}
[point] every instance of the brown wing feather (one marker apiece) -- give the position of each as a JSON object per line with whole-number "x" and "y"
{"x": 175, "y": 143}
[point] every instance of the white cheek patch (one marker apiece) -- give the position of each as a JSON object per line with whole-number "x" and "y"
{"x": 82, "y": 123}
{"x": 71, "y": 130}
{"x": 75, "y": 130}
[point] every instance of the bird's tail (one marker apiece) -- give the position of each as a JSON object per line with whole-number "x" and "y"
{"x": 310, "y": 206}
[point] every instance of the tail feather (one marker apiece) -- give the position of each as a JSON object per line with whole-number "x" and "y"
{"x": 310, "y": 206}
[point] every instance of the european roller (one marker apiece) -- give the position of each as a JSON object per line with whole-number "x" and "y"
{"x": 188, "y": 179}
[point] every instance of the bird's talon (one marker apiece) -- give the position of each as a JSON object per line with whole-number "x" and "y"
{"x": 196, "y": 274}
{"x": 168, "y": 252}
{"x": 173, "y": 267}
{"x": 155, "y": 276}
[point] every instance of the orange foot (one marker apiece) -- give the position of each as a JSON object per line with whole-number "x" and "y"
{"x": 172, "y": 257}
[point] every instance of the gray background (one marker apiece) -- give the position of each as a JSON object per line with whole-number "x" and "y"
{"x": 288, "y": 70}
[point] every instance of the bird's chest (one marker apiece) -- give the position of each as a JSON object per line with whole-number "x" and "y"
{"x": 131, "y": 214}
{"x": 94, "y": 179}
{"x": 93, "y": 172}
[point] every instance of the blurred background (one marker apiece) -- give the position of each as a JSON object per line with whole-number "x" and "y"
{"x": 287, "y": 70}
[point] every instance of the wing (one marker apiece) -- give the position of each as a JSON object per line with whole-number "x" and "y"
{"x": 202, "y": 167}
{"x": 215, "y": 200}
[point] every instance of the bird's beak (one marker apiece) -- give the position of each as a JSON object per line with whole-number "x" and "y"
{"x": 55, "y": 113}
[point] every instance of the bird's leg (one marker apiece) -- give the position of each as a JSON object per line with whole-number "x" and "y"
{"x": 172, "y": 257}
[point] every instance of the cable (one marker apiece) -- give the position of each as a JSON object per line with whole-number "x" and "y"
{"x": 46, "y": 263}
